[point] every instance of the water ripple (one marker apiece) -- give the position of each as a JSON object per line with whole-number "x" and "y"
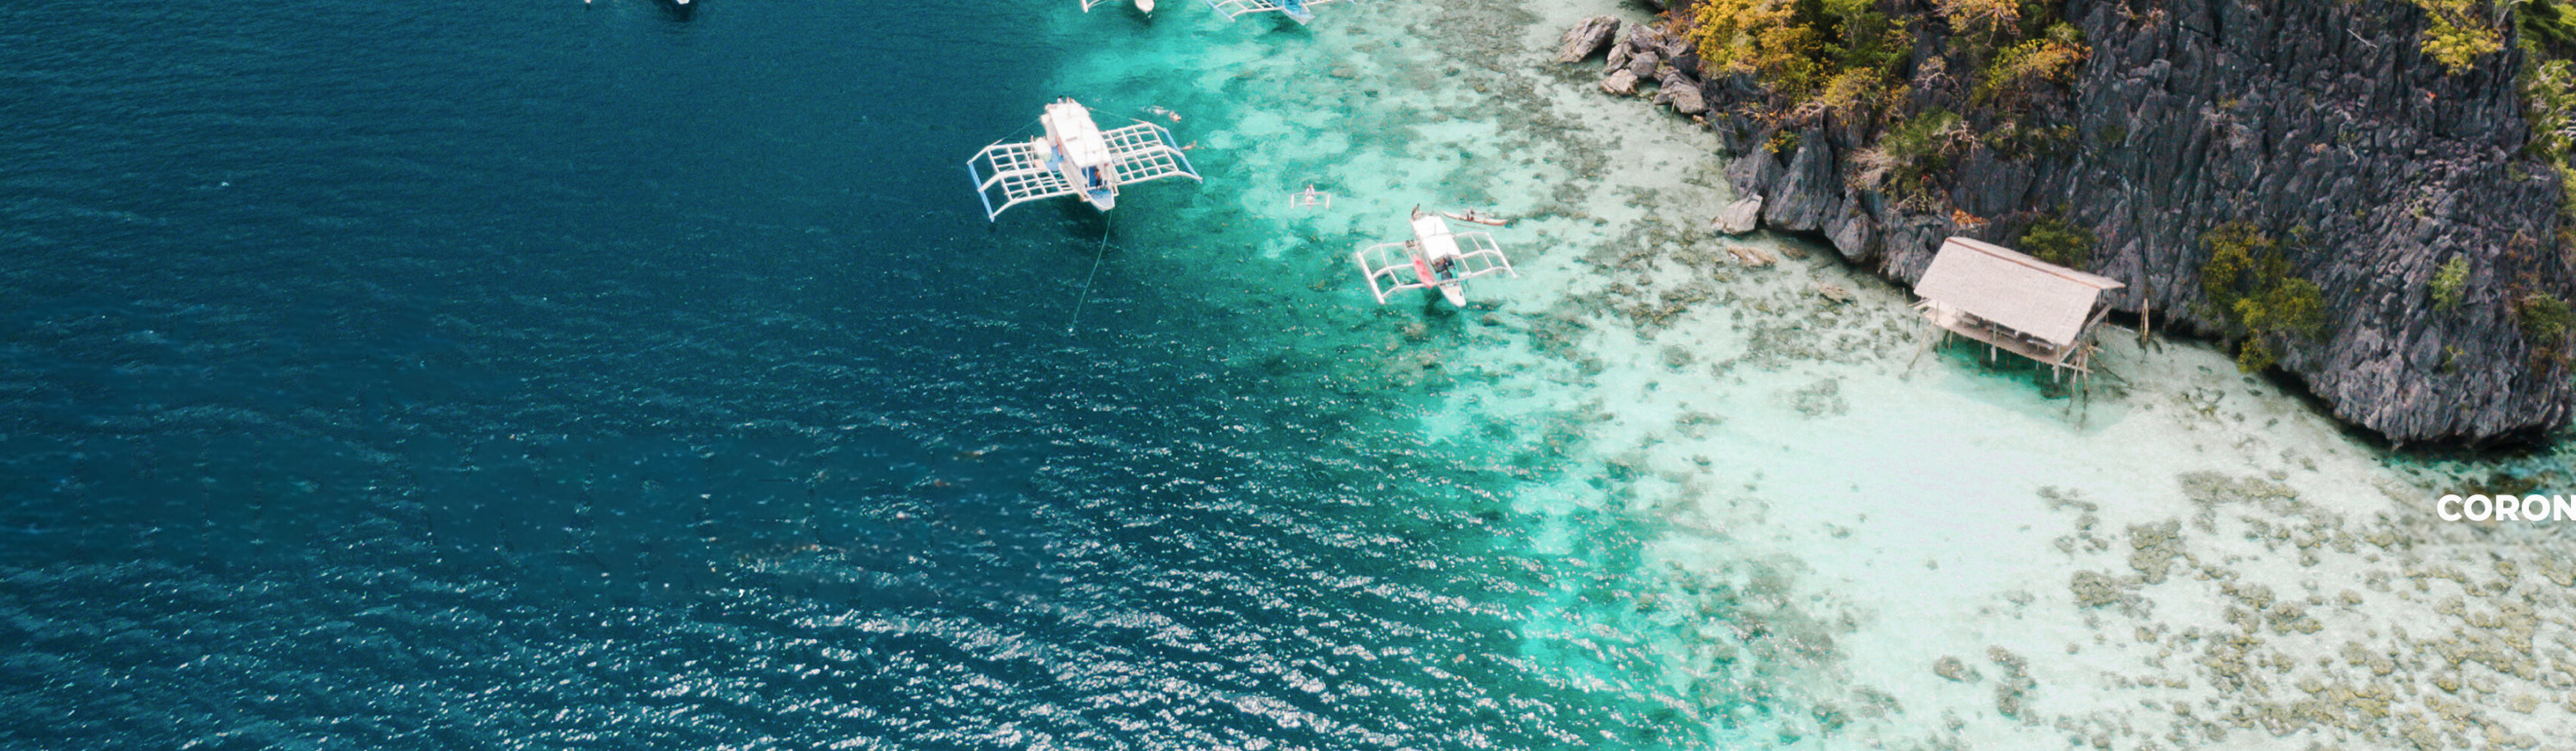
{"x": 544, "y": 378}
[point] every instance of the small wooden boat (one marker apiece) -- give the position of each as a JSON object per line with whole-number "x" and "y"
{"x": 1296, "y": 10}
{"x": 1479, "y": 217}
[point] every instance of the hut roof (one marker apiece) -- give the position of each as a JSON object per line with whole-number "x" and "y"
{"x": 2029, "y": 295}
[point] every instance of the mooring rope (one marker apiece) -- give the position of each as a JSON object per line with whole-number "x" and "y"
{"x": 1087, "y": 278}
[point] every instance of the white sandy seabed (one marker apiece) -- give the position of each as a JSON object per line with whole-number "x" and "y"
{"x": 1856, "y": 543}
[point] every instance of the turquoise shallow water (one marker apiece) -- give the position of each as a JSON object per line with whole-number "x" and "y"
{"x": 542, "y": 376}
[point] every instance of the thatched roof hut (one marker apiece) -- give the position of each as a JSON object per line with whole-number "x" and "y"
{"x": 2013, "y": 302}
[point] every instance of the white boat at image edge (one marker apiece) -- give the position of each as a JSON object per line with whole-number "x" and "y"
{"x": 1146, "y": 6}
{"x": 1073, "y": 156}
{"x": 1295, "y": 10}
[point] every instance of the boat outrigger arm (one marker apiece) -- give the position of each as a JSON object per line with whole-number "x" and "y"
{"x": 1074, "y": 157}
{"x": 1434, "y": 258}
{"x": 1294, "y": 9}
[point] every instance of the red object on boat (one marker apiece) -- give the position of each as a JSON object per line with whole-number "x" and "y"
{"x": 1422, "y": 268}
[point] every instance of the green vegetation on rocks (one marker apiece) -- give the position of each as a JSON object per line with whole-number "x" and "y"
{"x": 2549, "y": 104}
{"x": 2049, "y": 58}
{"x": 2250, "y": 283}
{"x": 1801, "y": 49}
{"x": 1816, "y": 57}
{"x": 2001, "y": 63}
{"x": 2458, "y": 33}
{"x": 1993, "y": 116}
{"x": 2545, "y": 321}
{"x": 2448, "y": 281}
{"x": 1908, "y": 157}
{"x": 2549, "y": 20}
{"x": 2055, "y": 240}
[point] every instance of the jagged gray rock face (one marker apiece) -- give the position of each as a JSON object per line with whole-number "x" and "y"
{"x": 1652, "y": 45}
{"x": 1742, "y": 216}
{"x": 1650, "y": 53}
{"x": 2320, "y": 120}
{"x": 1676, "y": 87}
{"x": 1586, "y": 38}
{"x": 1622, "y": 83}
{"x": 1642, "y": 63}
{"x": 1684, "y": 97}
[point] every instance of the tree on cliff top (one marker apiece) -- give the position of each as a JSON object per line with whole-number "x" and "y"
{"x": 1980, "y": 15}
{"x": 1799, "y": 48}
{"x": 2458, "y": 33}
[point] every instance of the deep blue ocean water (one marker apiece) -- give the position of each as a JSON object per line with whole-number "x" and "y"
{"x": 536, "y": 375}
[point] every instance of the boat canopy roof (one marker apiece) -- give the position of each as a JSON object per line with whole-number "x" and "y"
{"x": 1434, "y": 234}
{"x": 1069, "y": 123}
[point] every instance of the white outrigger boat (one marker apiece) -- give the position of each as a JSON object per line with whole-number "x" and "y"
{"x": 1295, "y": 10}
{"x": 1141, "y": 5}
{"x": 1074, "y": 157}
{"x": 1436, "y": 257}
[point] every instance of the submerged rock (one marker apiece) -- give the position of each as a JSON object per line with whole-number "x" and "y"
{"x": 1642, "y": 63}
{"x": 1751, "y": 256}
{"x": 1683, "y": 94}
{"x": 2094, "y": 589}
{"x": 1742, "y": 216}
{"x": 1622, "y": 83}
{"x": 1586, "y": 38}
{"x": 1649, "y": 38}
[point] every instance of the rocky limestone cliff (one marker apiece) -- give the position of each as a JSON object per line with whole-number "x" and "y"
{"x": 2319, "y": 120}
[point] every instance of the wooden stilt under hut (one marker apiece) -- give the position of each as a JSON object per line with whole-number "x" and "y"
{"x": 2014, "y": 303}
